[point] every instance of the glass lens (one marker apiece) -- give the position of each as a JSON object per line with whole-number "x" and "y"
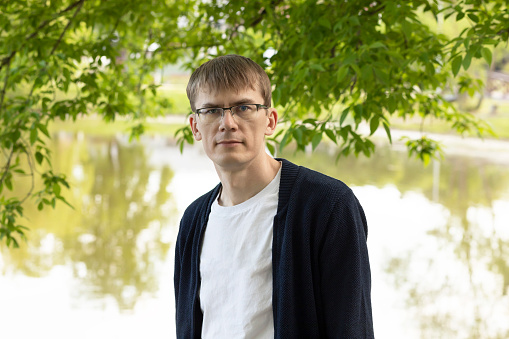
{"x": 244, "y": 112}
{"x": 209, "y": 115}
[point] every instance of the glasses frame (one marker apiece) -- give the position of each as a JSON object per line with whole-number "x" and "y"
{"x": 224, "y": 109}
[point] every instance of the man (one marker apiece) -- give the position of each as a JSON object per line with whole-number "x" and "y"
{"x": 275, "y": 250}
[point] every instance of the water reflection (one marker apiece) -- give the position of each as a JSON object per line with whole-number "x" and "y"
{"x": 115, "y": 239}
{"x": 439, "y": 237}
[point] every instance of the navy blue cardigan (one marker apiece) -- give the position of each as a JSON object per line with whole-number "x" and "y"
{"x": 321, "y": 275}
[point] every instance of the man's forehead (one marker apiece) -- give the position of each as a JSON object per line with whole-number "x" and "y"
{"x": 208, "y": 94}
{"x": 219, "y": 91}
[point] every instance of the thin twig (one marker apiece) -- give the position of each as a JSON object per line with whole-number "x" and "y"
{"x": 7, "y": 73}
{"x": 7, "y": 59}
{"x": 145, "y": 54}
{"x": 502, "y": 31}
{"x": 80, "y": 3}
{"x": 262, "y": 12}
{"x": 31, "y": 166}
{"x": 7, "y": 166}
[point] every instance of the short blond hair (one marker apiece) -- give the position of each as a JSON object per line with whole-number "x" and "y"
{"x": 229, "y": 73}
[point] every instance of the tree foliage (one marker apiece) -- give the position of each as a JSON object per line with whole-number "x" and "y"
{"x": 336, "y": 67}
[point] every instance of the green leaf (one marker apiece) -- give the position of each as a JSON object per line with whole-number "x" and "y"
{"x": 367, "y": 73}
{"x": 271, "y": 148}
{"x": 8, "y": 183}
{"x": 460, "y": 16}
{"x": 343, "y": 116}
{"x": 317, "y": 67}
{"x": 391, "y": 104}
{"x": 358, "y": 112}
{"x": 382, "y": 76}
{"x": 287, "y": 138}
{"x": 354, "y": 20}
{"x": 473, "y": 17}
{"x": 39, "y": 157}
{"x": 297, "y": 134}
{"x": 467, "y": 60}
{"x": 373, "y": 124}
{"x": 377, "y": 44}
{"x": 341, "y": 73}
{"x": 316, "y": 140}
{"x": 388, "y": 131}
{"x": 56, "y": 189}
{"x": 43, "y": 129}
{"x": 486, "y": 54}
{"x": 323, "y": 21}
{"x": 65, "y": 202}
{"x": 331, "y": 135}
{"x": 456, "y": 65}
{"x": 33, "y": 135}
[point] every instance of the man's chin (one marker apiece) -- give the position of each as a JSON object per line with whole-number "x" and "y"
{"x": 230, "y": 160}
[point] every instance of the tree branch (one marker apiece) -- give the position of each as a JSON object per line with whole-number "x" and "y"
{"x": 46, "y": 22}
{"x": 7, "y": 59}
{"x": 502, "y": 31}
{"x": 32, "y": 167}
{"x": 80, "y": 5}
{"x": 5, "y": 84}
{"x": 376, "y": 11}
{"x": 39, "y": 28}
{"x": 7, "y": 166}
{"x": 262, "y": 12}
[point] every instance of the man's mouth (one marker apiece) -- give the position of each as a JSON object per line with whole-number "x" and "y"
{"x": 229, "y": 142}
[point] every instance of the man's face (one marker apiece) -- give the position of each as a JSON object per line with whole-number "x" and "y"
{"x": 230, "y": 142}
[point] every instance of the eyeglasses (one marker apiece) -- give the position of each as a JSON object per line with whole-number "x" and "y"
{"x": 244, "y": 112}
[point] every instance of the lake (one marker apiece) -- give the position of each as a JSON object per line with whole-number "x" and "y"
{"x": 438, "y": 240}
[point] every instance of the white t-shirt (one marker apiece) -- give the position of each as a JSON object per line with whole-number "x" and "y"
{"x": 236, "y": 268}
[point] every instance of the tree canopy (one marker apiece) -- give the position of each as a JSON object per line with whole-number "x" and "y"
{"x": 336, "y": 66}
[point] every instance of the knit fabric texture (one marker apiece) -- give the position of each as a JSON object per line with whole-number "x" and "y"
{"x": 321, "y": 274}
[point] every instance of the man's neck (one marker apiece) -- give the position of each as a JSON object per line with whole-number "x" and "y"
{"x": 245, "y": 182}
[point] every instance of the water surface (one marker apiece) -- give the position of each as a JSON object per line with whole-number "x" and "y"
{"x": 438, "y": 241}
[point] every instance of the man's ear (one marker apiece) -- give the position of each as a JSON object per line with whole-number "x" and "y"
{"x": 271, "y": 121}
{"x": 194, "y": 127}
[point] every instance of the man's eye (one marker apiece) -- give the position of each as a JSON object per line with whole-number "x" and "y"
{"x": 211, "y": 111}
{"x": 245, "y": 108}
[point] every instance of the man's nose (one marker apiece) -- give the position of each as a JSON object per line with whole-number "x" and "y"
{"x": 228, "y": 121}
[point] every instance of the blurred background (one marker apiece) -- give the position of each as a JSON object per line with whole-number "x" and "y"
{"x": 438, "y": 225}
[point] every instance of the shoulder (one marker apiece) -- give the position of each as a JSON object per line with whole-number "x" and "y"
{"x": 322, "y": 180}
{"x": 320, "y": 184}
{"x": 325, "y": 202}
{"x": 309, "y": 189}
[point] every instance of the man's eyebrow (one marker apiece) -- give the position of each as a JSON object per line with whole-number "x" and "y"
{"x": 208, "y": 105}
{"x": 235, "y": 103}
{"x": 242, "y": 101}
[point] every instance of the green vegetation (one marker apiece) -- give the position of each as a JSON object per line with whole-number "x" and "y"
{"x": 335, "y": 65}
{"x": 498, "y": 121}
{"x": 98, "y": 127}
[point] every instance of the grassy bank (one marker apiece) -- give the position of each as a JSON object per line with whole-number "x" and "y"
{"x": 94, "y": 126}
{"x": 497, "y": 119}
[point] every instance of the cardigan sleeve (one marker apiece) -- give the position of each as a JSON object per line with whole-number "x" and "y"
{"x": 345, "y": 274}
{"x": 184, "y": 285}
{"x": 176, "y": 278}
